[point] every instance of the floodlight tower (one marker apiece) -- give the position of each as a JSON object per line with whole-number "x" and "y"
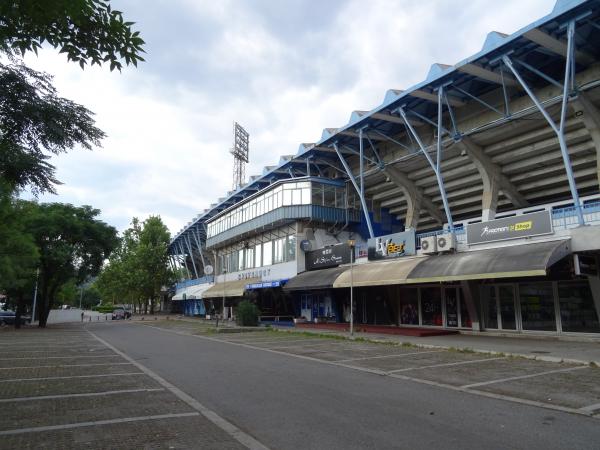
{"x": 240, "y": 150}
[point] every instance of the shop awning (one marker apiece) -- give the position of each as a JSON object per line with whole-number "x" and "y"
{"x": 525, "y": 260}
{"x": 229, "y": 288}
{"x": 178, "y": 296}
{"x": 197, "y": 292}
{"x": 314, "y": 279}
{"x": 378, "y": 273}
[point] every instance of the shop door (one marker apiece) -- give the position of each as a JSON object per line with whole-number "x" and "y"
{"x": 506, "y": 298}
{"x": 451, "y": 303}
{"x": 306, "y": 307}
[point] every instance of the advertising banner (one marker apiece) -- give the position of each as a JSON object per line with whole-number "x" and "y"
{"x": 392, "y": 245}
{"x": 328, "y": 257}
{"x": 525, "y": 225}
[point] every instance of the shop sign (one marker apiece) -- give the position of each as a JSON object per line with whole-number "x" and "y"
{"x": 266, "y": 284}
{"x": 256, "y": 273}
{"x": 525, "y": 225}
{"x": 392, "y": 245}
{"x": 328, "y": 257}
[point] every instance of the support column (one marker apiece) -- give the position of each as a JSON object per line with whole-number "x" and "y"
{"x": 493, "y": 180}
{"x": 415, "y": 198}
{"x": 591, "y": 120}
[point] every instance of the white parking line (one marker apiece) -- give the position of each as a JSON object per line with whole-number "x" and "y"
{"x": 69, "y": 426}
{"x": 397, "y": 355}
{"x": 590, "y": 408}
{"x": 460, "y": 363}
{"x": 243, "y": 438}
{"x": 73, "y": 376}
{"x": 67, "y": 365}
{"x": 88, "y": 394}
{"x": 522, "y": 377}
{"x": 59, "y": 357}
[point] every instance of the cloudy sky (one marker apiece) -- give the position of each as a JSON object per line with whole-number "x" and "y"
{"x": 284, "y": 69}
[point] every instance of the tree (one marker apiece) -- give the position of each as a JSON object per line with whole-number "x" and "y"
{"x": 88, "y": 31}
{"x": 139, "y": 268}
{"x": 33, "y": 118}
{"x": 73, "y": 245}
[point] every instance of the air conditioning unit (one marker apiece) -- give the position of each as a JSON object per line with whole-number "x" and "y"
{"x": 446, "y": 242}
{"x": 429, "y": 244}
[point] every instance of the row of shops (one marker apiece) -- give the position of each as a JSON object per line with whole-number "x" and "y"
{"x": 532, "y": 284}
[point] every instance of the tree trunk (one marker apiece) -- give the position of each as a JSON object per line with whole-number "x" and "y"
{"x": 152, "y": 306}
{"x": 42, "y": 304}
{"x": 145, "y": 306}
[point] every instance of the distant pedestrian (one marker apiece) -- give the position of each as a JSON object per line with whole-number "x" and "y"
{"x": 82, "y": 316}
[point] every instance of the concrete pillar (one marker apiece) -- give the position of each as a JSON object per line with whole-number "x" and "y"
{"x": 470, "y": 291}
{"x": 489, "y": 202}
{"x": 595, "y": 287}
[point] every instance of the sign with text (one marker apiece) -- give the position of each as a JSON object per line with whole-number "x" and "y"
{"x": 328, "y": 257}
{"x": 392, "y": 245}
{"x": 525, "y": 225}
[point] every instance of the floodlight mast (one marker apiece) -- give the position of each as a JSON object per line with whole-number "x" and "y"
{"x": 240, "y": 152}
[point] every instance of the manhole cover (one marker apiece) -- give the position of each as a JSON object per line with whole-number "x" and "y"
{"x": 539, "y": 351}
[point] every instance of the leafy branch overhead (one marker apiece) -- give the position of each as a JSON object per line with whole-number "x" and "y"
{"x": 34, "y": 119}
{"x": 87, "y": 31}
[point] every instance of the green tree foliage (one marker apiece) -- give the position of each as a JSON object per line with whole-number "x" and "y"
{"x": 139, "y": 268}
{"x": 87, "y": 31}
{"x": 73, "y": 245}
{"x": 35, "y": 120}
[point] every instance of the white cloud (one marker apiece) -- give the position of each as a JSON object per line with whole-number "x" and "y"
{"x": 169, "y": 126}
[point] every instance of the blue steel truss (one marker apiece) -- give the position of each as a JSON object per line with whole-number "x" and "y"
{"x": 519, "y": 59}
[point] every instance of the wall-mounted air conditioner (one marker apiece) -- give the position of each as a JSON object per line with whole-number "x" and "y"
{"x": 429, "y": 244}
{"x": 446, "y": 242}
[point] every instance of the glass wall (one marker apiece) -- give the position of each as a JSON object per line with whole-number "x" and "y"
{"x": 489, "y": 307}
{"x": 577, "y": 310}
{"x": 265, "y": 254}
{"x": 284, "y": 194}
{"x": 409, "y": 306}
{"x": 537, "y": 306}
{"x": 431, "y": 306}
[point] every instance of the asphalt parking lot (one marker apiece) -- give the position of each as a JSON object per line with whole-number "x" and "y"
{"x": 567, "y": 387}
{"x": 62, "y": 388}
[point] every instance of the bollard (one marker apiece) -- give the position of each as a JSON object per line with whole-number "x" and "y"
{"x": 105, "y": 317}
{"x": 90, "y": 319}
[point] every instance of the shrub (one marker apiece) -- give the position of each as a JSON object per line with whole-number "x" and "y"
{"x": 247, "y": 314}
{"x": 104, "y": 308}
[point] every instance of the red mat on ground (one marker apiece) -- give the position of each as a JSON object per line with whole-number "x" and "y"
{"x": 377, "y": 329}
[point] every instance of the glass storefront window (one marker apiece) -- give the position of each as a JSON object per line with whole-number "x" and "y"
{"x": 537, "y": 307}
{"x": 291, "y": 248}
{"x": 489, "y": 307}
{"x": 577, "y": 310}
{"x": 431, "y": 306}
{"x": 268, "y": 253}
{"x": 258, "y": 255}
{"x": 465, "y": 317}
{"x": 249, "y": 258}
{"x": 451, "y": 307}
{"x": 409, "y": 306}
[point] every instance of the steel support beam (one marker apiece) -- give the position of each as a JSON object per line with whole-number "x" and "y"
{"x": 591, "y": 119}
{"x": 555, "y": 46}
{"x": 487, "y": 75}
{"x": 559, "y": 130}
{"x": 358, "y": 190}
{"x": 196, "y": 235}
{"x": 184, "y": 260}
{"x": 493, "y": 180}
{"x": 189, "y": 246}
{"x": 434, "y": 166}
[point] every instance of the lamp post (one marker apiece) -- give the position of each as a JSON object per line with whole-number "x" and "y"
{"x": 351, "y": 244}
{"x": 223, "y": 309}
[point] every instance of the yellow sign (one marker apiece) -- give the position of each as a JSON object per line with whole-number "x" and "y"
{"x": 522, "y": 226}
{"x": 395, "y": 248}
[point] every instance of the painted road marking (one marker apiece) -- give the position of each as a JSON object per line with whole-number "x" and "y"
{"x": 67, "y": 365}
{"x": 73, "y": 376}
{"x": 398, "y": 355}
{"x": 522, "y": 377}
{"x": 59, "y": 357}
{"x": 89, "y": 394}
{"x": 69, "y": 426}
{"x": 243, "y": 438}
{"x": 459, "y": 363}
